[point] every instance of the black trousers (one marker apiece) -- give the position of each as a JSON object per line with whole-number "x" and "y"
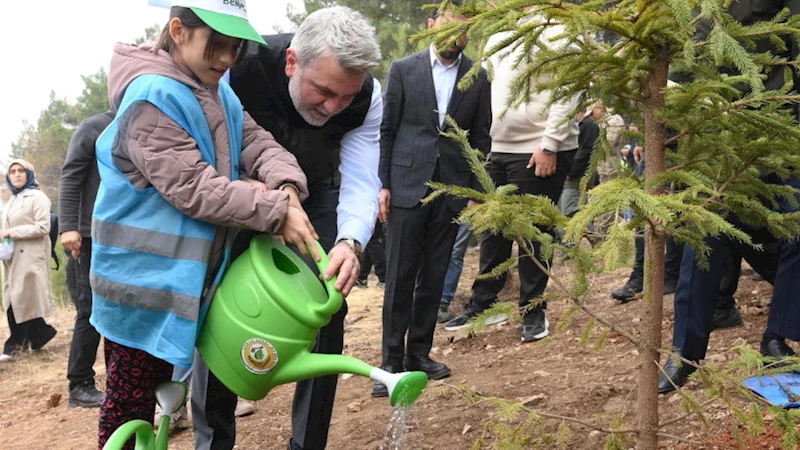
{"x": 509, "y": 168}
{"x": 34, "y": 333}
{"x": 85, "y": 339}
{"x": 375, "y": 255}
{"x": 419, "y": 241}
{"x": 313, "y": 399}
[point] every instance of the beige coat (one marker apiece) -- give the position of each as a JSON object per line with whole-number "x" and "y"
{"x": 26, "y": 277}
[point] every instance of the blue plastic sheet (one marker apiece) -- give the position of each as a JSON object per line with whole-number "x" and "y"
{"x": 780, "y": 390}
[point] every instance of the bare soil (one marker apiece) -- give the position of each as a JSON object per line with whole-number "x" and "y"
{"x": 566, "y": 378}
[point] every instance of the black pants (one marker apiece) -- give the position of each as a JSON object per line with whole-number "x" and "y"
{"x": 313, "y": 399}
{"x": 34, "y": 333}
{"x": 375, "y": 254}
{"x": 85, "y": 339}
{"x": 510, "y": 168}
{"x": 419, "y": 241}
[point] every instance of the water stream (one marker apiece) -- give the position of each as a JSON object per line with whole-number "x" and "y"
{"x": 398, "y": 434}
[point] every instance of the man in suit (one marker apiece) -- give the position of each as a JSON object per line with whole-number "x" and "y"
{"x": 420, "y": 90}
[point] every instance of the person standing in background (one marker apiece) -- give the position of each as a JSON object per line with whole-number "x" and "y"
{"x": 77, "y": 190}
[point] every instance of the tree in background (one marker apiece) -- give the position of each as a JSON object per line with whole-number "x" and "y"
{"x": 45, "y": 143}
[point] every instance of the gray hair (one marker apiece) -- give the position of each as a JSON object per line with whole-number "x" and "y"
{"x": 342, "y": 32}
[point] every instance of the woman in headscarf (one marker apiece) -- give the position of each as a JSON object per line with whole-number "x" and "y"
{"x": 26, "y": 276}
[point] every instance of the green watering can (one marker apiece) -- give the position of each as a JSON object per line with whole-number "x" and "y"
{"x": 263, "y": 323}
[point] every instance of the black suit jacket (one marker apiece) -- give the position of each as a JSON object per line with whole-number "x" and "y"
{"x": 411, "y": 141}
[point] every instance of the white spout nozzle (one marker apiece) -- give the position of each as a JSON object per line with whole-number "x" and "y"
{"x": 404, "y": 388}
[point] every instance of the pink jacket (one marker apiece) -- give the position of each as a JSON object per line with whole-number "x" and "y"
{"x": 152, "y": 149}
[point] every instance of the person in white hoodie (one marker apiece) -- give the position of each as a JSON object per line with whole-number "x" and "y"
{"x": 532, "y": 147}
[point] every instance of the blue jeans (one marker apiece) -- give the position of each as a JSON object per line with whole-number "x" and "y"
{"x": 456, "y": 264}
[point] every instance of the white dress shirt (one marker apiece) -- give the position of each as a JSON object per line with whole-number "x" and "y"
{"x": 360, "y": 186}
{"x": 444, "y": 81}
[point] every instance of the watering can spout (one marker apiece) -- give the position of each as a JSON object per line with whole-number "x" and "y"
{"x": 404, "y": 388}
{"x": 311, "y": 365}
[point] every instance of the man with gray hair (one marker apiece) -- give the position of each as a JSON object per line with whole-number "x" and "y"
{"x": 313, "y": 92}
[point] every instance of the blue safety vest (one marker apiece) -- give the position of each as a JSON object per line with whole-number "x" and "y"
{"x": 149, "y": 260}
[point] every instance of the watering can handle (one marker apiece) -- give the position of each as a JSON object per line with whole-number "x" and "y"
{"x": 335, "y": 298}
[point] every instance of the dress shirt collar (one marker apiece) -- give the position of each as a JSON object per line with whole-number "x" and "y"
{"x": 435, "y": 59}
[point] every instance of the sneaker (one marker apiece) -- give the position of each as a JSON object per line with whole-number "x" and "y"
{"x": 180, "y": 419}
{"x": 362, "y": 283}
{"x": 244, "y": 408}
{"x": 85, "y": 396}
{"x": 380, "y": 285}
{"x": 726, "y": 318}
{"x": 628, "y": 292}
{"x": 444, "y": 313}
{"x": 4, "y": 358}
{"x": 758, "y": 277}
{"x": 462, "y": 321}
{"x": 535, "y": 326}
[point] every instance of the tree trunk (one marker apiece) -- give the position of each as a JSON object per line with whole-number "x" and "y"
{"x": 650, "y": 341}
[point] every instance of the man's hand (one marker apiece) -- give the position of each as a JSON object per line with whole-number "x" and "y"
{"x": 544, "y": 165}
{"x": 298, "y": 230}
{"x": 4, "y": 234}
{"x": 345, "y": 265}
{"x": 471, "y": 203}
{"x": 383, "y": 205}
{"x": 638, "y": 154}
{"x": 71, "y": 240}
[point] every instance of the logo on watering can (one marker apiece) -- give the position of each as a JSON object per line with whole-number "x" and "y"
{"x": 259, "y": 356}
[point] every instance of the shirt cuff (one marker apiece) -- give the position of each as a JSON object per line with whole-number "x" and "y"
{"x": 355, "y": 228}
{"x": 296, "y": 191}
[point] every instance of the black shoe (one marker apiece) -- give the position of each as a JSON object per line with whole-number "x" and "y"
{"x": 535, "y": 326}
{"x": 41, "y": 341}
{"x": 670, "y": 285}
{"x": 362, "y": 283}
{"x": 776, "y": 348}
{"x": 628, "y": 292}
{"x": 726, "y": 318}
{"x": 435, "y": 370}
{"x": 379, "y": 389}
{"x": 677, "y": 372}
{"x": 85, "y": 396}
{"x": 460, "y": 322}
{"x": 444, "y": 313}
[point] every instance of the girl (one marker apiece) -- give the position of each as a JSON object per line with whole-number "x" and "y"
{"x": 169, "y": 165}
{"x": 26, "y": 280}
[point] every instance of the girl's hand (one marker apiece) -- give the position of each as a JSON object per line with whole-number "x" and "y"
{"x": 5, "y": 233}
{"x": 298, "y": 230}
